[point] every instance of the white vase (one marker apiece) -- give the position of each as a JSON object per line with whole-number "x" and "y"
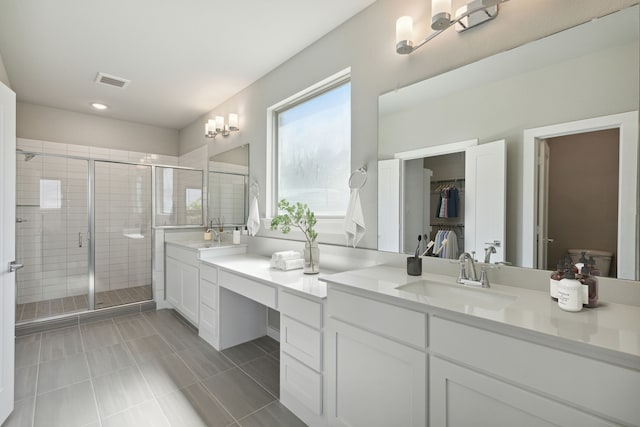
{"x": 311, "y": 258}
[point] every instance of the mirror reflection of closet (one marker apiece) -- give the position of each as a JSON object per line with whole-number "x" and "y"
{"x": 228, "y": 187}
{"x": 434, "y": 202}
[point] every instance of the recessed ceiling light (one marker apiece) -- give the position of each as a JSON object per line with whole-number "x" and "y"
{"x": 99, "y": 106}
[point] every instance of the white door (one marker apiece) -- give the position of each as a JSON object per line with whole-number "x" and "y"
{"x": 389, "y": 205}
{"x": 543, "y": 205}
{"x": 485, "y": 199}
{"x": 7, "y": 246}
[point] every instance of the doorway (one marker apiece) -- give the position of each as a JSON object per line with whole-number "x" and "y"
{"x": 578, "y": 195}
{"x": 626, "y": 261}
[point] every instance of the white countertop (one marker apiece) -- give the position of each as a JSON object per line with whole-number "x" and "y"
{"x": 258, "y": 268}
{"x": 199, "y": 246}
{"x": 610, "y": 326}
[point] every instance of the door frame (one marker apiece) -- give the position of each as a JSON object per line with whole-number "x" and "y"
{"x": 627, "y": 123}
{"x": 7, "y": 248}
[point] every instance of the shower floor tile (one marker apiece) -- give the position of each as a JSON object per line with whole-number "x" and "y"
{"x": 58, "y": 306}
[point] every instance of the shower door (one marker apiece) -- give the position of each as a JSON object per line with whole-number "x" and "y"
{"x": 51, "y": 235}
{"x": 122, "y": 230}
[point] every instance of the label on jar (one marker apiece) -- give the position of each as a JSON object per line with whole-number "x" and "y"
{"x": 570, "y": 296}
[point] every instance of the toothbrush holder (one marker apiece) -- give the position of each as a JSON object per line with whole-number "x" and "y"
{"x": 414, "y": 266}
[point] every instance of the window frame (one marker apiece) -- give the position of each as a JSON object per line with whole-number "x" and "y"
{"x": 317, "y": 89}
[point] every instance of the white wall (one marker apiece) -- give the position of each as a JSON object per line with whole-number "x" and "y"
{"x": 53, "y": 124}
{"x": 366, "y": 43}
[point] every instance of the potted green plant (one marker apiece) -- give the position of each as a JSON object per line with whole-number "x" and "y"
{"x": 299, "y": 215}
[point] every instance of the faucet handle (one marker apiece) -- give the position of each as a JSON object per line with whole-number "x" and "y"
{"x": 484, "y": 280}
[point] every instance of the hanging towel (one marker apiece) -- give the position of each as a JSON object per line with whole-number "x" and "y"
{"x": 253, "y": 221}
{"x": 354, "y": 227}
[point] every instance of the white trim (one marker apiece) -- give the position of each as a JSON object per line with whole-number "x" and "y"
{"x": 336, "y": 79}
{"x": 436, "y": 150}
{"x": 273, "y": 333}
{"x": 627, "y": 123}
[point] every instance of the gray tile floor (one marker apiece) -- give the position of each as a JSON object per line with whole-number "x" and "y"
{"x": 147, "y": 369}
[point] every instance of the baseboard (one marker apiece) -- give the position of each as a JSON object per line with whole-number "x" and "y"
{"x": 273, "y": 333}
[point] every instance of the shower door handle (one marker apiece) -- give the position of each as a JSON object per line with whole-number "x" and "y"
{"x": 80, "y": 239}
{"x": 13, "y": 266}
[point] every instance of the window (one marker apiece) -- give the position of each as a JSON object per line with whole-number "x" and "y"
{"x": 50, "y": 194}
{"x": 312, "y": 146}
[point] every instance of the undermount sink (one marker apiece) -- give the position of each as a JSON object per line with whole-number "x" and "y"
{"x": 459, "y": 295}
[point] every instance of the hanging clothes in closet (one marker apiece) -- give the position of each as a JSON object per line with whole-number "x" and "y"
{"x": 450, "y": 251}
{"x": 449, "y": 202}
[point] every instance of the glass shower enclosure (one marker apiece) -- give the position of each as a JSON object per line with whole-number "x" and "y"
{"x": 62, "y": 202}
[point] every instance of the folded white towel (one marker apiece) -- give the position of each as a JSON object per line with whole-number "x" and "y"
{"x": 253, "y": 220}
{"x": 292, "y": 264}
{"x": 286, "y": 255}
{"x": 354, "y": 226}
{"x": 287, "y": 264}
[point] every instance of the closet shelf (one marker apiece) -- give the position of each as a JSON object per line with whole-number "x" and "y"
{"x": 442, "y": 181}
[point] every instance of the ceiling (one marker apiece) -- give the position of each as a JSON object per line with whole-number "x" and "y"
{"x": 183, "y": 57}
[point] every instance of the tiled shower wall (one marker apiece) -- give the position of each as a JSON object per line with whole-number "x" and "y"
{"x": 122, "y": 225}
{"x": 229, "y": 204}
{"x": 48, "y": 229}
{"x": 47, "y": 239}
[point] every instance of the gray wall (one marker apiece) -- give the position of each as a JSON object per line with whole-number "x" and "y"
{"x": 366, "y": 44}
{"x": 4, "y": 78}
{"x": 56, "y": 125}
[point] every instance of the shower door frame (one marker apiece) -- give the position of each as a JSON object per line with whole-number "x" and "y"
{"x": 91, "y": 223}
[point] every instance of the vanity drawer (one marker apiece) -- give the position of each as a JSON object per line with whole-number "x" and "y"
{"x": 208, "y": 293}
{"x": 599, "y": 386}
{"x": 183, "y": 255}
{"x": 302, "y": 309}
{"x": 208, "y": 272}
{"x": 301, "y": 341}
{"x": 398, "y": 323}
{"x": 301, "y": 382}
{"x": 208, "y": 327}
{"x": 264, "y": 294}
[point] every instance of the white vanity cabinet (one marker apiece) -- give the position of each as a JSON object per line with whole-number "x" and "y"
{"x": 208, "y": 329}
{"x": 482, "y": 377}
{"x": 377, "y": 363}
{"x": 182, "y": 281}
{"x": 301, "y": 356}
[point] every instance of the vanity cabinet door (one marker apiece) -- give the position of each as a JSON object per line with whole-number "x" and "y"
{"x": 190, "y": 293}
{"x": 463, "y": 397}
{"x": 374, "y": 381}
{"x": 182, "y": 288}
{"x": 173, "y": 282}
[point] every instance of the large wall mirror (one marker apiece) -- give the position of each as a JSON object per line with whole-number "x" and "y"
{"x": 228, "y": 187}
{"x": 562, "y": 113}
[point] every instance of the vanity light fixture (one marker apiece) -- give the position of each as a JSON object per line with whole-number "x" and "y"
{"x": 468, "y": 16}
{"x": 216, "y": 126}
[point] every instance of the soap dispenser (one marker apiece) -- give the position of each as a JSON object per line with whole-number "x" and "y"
{"x": 236, "y": 236}
{"x": 595, "y": 271}
{"x": 570, "y": 292}
{"x": 589, "y": 288}
{"x": 554, "y": 281}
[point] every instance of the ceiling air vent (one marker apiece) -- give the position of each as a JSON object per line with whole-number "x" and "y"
{"x": 109, "y": 80}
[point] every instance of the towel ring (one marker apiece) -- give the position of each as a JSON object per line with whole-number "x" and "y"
{"x": 358, "y": 178}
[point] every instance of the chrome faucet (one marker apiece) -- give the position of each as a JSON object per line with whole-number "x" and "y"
{"x": 487, "y": 253}
{"x": 463, "y": 271}
{"x": 473, "y": 280}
